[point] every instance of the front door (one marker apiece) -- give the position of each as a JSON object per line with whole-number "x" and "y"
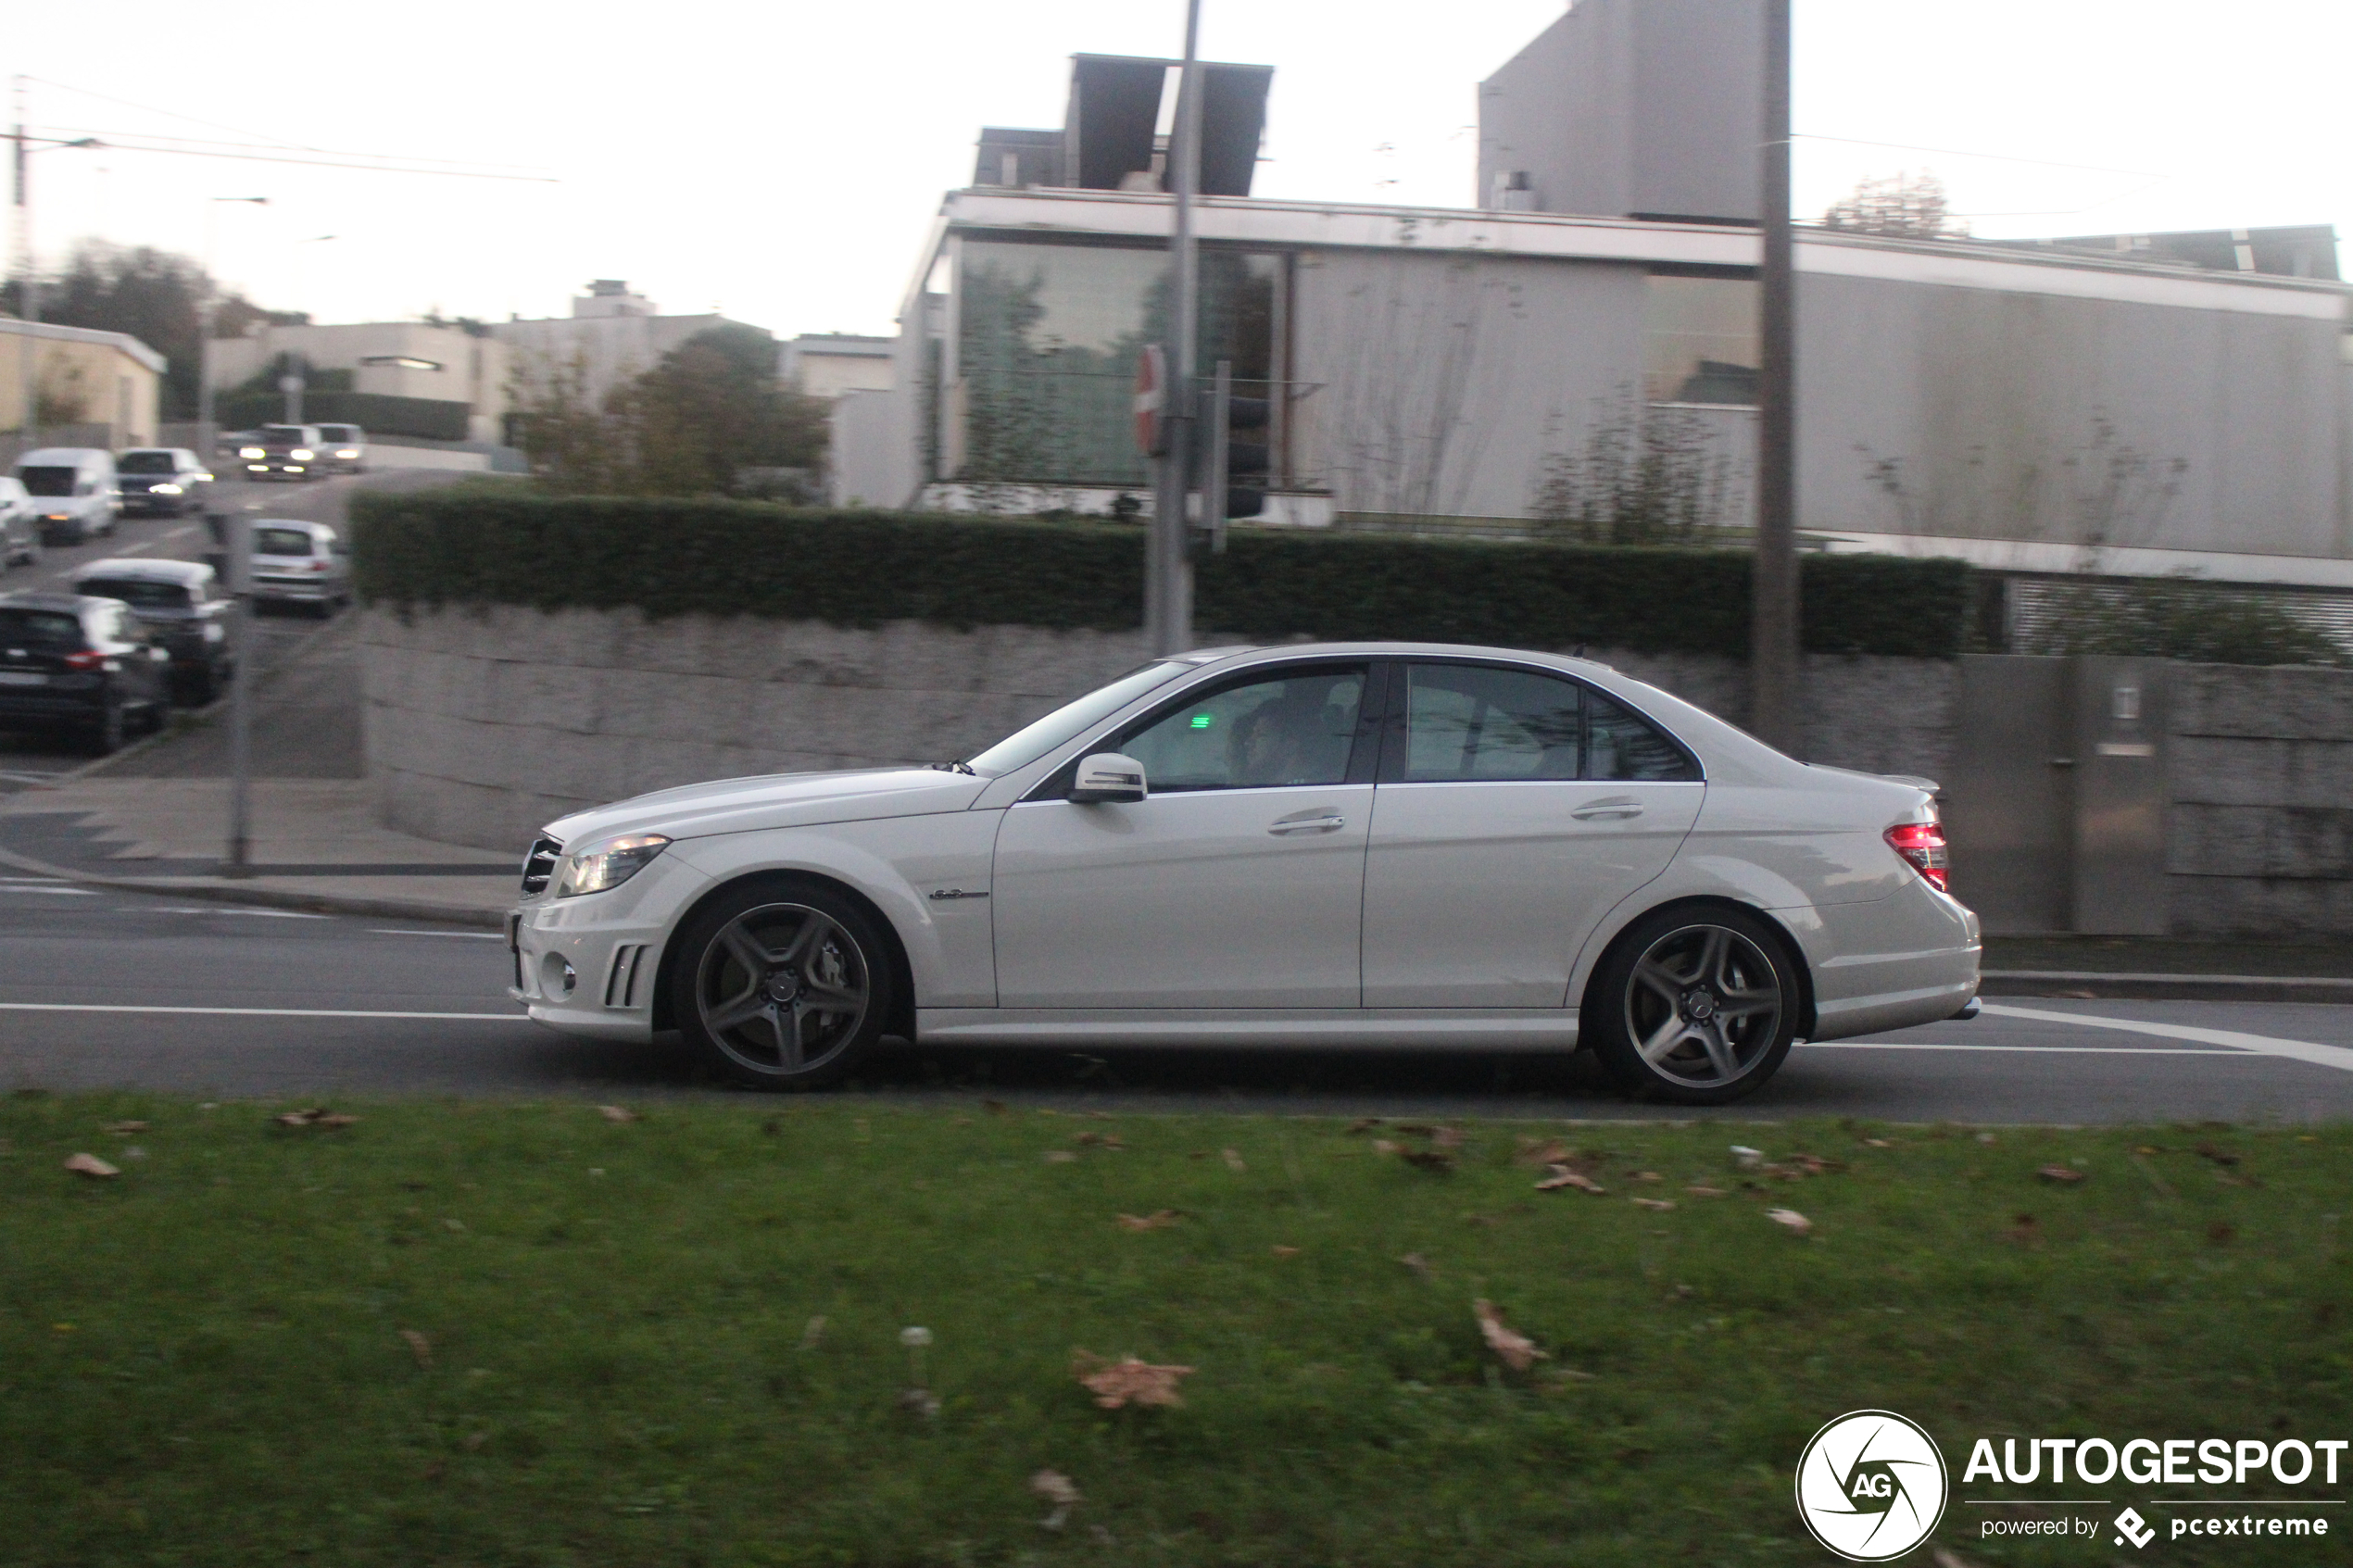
{"x": 1239, "y": 883}
{"x": 1514, "y": 810}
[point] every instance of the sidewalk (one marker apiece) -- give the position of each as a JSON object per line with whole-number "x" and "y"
{"x": 314, "y": 846}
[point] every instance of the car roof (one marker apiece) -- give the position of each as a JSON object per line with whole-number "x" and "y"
{"x": 35, "y": 598}
{"x": 314, "y": 529}
{"x": 188, "y": 573}
{"x": 53, "y": 455}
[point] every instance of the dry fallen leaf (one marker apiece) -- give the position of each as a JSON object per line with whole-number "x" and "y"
{"x": 1659, "y": 1205}
{"x": 2219, "y": 1156}
{"x": 90, "y": 1165}
{"x": 1233, "y": 1160}
{"x": 2024, "y": 1229}
{"x": 419, "y": 1347}
{"x": 1563, "y": 1176}
{"x": 1362, "y": 1124}
{"x": 919, "y": 1401}
{"x": 1059, "y": 1156}
{"x": 1429, "y": 1159}
{"x": 1878, "y": 1143}
{"x": 1551, "y": 1152}
{"x": 334, "y": 1119}
{"x": 1516, "y": 1350}
{"x": 1945, "y": 1559}
{"x": 315, "y": 1116}
{"x": 1104, "y": 1140}
{"x": 1419, "y": 1264}
{"x": 1648, "y": 1176}
{"x": 814, "y": 1333}
{"x": 1281, "y": 1251}
{"x": 1446, "y": 1137}
{"x": 1382, "y": 1146}
{"x": 616, "y": 1113}
{"x": 994, "y": 1107}
{"x": 1160, "y": 1219}
{"x": 2060, "y": 1174}
{"x": 1056, "y": 1487}
{"x": 1791, "y": 1218}
{"x": 1697, "y": 1190}
{"x": 1127, "y": 1380}
{"x": 122, "y": 1129}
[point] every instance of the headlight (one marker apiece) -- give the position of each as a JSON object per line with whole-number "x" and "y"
{"x": 608, "y": 864}
{"x": 251, "y": 452}
{"x": 348, "y": 453}
{"x": 163, "y": 490}
{"x": 300, "y": 454}
{"x": 213, "y": 633}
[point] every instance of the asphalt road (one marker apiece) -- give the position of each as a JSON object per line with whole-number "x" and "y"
{"x": 32, "y": 757}
{"x": 102, "y": 988}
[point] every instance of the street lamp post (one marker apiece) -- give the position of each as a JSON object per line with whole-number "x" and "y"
{"x": 29, "y": 304}
{"x": 1168, "y": 570}
{"x": 207, "y": 436}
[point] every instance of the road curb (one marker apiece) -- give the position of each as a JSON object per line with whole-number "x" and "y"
{"x": 2092, "y": 986}
{"x": 222, "y": 891}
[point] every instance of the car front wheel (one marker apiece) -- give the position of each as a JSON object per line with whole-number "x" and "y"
{"x": 781, "y": 985}
{"x": 1698, "y": 1006}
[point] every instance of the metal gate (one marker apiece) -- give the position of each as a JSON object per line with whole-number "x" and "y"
{"x": 2055, "y": 800}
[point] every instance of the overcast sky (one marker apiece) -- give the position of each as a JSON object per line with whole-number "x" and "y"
{"x": 782, "y": 161}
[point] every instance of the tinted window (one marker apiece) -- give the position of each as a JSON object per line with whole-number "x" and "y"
{"x": 1468, "y": 722}
{"x": 43, "y": 627}
{"x": 281, "y": 541}
{"x": 1620, "y": 745}
{"x": 48, "y": 481}
{"x": 132, "y": 591}
{"x": 1294, "y": 729}
{"x": 146, "y": 462}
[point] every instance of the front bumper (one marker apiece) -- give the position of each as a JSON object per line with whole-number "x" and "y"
{"x": 296, "y": 590}
{"x": 587, "y": 966}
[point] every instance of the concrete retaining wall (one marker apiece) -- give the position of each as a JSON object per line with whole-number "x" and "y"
{"x": 2260, "y": 819}
{"x": 484, "y": 724}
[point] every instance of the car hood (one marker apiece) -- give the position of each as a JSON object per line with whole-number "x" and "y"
{"x": 773, "y": 800}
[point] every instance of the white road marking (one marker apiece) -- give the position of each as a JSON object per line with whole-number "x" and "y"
{"x": 469, "y": 935}
{"x": 260, "y": 1013}
{"x": 177, "y": 533}
{"x": 2039, "y": 1050}
{"x": 238, "y": 909}
{"x": 2338, "y": 1057}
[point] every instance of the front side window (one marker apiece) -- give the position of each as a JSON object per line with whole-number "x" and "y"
{"x": 1468, "y": 723}
{"x": 1296, "y": 728}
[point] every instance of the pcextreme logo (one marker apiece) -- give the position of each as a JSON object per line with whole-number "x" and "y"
{"x": 1872, "y": 1485}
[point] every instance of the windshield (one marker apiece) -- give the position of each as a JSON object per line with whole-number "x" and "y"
{"x": 48, "y": 481}
{"x": 145, "y": 462}
{"x": 281, "y": 541}
{"x": 283, "y": 433}
{"x": 133, "y": 590}
{"x": 345, "y": 434}
{"x": 1032, "y": 741}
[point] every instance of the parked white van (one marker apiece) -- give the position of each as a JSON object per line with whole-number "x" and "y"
{"x": 75, "y": 494}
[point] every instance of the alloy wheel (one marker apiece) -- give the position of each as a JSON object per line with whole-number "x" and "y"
{"x": 782, "y": 990}
{"x": 1703, "y": 1006}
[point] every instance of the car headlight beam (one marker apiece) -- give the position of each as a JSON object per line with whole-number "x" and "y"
{"x": 607, "y": 863}
{"x": 251, "y": 452}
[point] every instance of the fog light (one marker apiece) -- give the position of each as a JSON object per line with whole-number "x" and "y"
{"x": 556, "y": 976}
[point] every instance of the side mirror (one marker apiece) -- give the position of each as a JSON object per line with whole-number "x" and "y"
{"x": 1107, "y": 776}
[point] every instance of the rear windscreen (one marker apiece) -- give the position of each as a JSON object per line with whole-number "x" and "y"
{"x": 281, "y": 541}
{"x": 48, "y": 481}
{"x": 138, "y": 594}
{"x": 44, "y": 626}
{"x": 145, "y": 462}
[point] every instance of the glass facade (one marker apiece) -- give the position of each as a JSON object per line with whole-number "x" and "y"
{"x": 1047, "y": 338}
{"x": 1699, "y": 340}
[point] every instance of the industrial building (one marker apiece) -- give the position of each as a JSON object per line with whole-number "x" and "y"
{"x": 2117, "y": 404}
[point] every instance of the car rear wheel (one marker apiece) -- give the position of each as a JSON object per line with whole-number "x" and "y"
{"x": 105, "y": 737}
{"x": 1698, "y": 1006}
{"x": 781, "y": 985}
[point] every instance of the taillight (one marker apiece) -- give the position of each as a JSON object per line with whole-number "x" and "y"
{"x": 87, "y": 659}
{"x": 1922, "y": 847}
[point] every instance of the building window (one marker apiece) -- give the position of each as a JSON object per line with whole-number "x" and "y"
{"x": 1699, "y": 341}
{"x": 1047, "y": 340}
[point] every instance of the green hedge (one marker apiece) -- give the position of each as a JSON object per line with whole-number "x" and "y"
{"x": 860, "y": 568}
{"x": 378, "y": 413}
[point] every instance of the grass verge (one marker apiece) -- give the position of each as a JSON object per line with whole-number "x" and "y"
{"x": 498, "y": 1333}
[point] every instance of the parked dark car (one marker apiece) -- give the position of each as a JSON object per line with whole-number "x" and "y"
{"x": 162, "y": 481}
{"x": 183, "y": 607}
{"x": 82, "y": 664}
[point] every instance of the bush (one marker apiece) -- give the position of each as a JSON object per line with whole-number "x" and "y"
{"x": 861, "y": 567}
{"x": 2177, "y": 618}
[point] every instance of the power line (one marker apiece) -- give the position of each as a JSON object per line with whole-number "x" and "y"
{"x": 138, "y": 141}
{"x": 172, "y": 114}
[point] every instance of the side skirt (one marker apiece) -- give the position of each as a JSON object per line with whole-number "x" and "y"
{"x": 1477, "y": 1029}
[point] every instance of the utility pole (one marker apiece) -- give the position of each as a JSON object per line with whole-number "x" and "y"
{"x": 1773, "y": 667}
{"x": 1168, "y": 571}
{"x": 205, "y": 433}
{"x": 28, "y": 284}
{"x": 238, "y": 544}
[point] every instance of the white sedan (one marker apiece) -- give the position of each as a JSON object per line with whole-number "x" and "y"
{"x": 1344, "y": 845}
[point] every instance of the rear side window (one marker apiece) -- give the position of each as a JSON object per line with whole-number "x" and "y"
{"x": 137, "y": 593}
{"x": 40, "y": 628}
{"x": 48, "y": 481}
{"x": 1469, "y": 722}
{"x": 281, "y": 541}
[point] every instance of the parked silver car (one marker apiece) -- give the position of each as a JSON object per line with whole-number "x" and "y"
{"x": 19, "y": 525}
{"x": 301, "y": 563}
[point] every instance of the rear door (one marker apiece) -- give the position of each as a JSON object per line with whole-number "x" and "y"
{"x": 1516, "y": 807}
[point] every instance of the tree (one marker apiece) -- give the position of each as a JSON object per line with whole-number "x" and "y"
{"x": 1906, "y": 206}
{"x": 157, "y": 297}
{"x": 696, "y": 424}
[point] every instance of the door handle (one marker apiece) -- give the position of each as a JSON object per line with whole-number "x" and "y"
{"x": 1329, "y": 821}
{"x": 1607, "y": 809}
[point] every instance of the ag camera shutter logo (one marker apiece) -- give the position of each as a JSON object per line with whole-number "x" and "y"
{"x": 1872, "y": 1485}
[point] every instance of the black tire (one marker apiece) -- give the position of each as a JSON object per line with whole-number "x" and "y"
{"x": 105, "y": 737}
{"x": 807, "y": 1009}
{"x": 1696, "y": 1006}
